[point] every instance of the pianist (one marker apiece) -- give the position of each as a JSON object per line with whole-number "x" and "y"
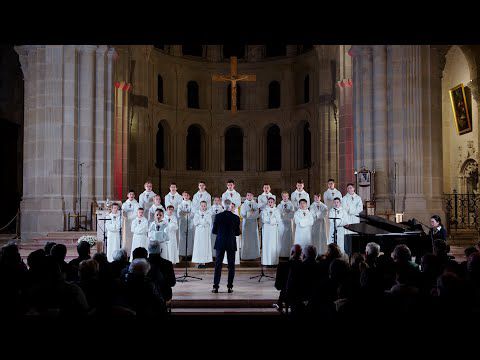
{"x": 437, "y": 230}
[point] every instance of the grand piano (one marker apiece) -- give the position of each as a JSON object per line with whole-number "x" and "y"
{"x": 387, "y": 234}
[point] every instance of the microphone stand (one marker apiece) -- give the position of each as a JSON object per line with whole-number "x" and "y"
{"x": 104, "y": 232}
{"x": 262, "y": 273}
{"x": 184, "y": 277}
{"x": 335, "y": 226}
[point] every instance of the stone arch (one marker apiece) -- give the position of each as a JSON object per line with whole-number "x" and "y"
{"x": 272, "y": 140}
{"x": 163, "y": 145}
{"x": 304, "y": 144}
{"x": 469, "y": 176}
{"x": 234, "y": 148}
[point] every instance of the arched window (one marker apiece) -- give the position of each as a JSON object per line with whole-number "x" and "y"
{"x": 160, "y": 89}
{"x": 229, "y": 96}
{"x": 160, "y": 148}
{"x": 274, "y": 149}
{"x": 306, "y": 89}
{"x": 192, "y": 50}
{"x": 234, "y": 149}
{"x": 274, "y": 95}
{"x": 192, "y": 95}
{"x": 195, "y": 148}
{"x": 230, "y": 50}
{"x": 307, "y": 146}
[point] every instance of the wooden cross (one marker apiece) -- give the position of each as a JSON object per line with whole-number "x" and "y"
{"x": 233, "y": 78}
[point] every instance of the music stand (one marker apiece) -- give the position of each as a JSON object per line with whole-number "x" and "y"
{"x": 184, "y": 277}
{"x": 104, "y": 233}
{"x": 335, "y": 227}
{"x": 262, "y": 273}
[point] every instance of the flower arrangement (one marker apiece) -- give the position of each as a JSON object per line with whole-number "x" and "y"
{"x": 92, "y": 240}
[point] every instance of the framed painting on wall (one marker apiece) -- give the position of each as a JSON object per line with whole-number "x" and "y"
{"x": 460, "y": 108}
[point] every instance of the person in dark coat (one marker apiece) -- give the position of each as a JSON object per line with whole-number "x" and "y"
{"x": 226, "y": 226}
{"x": 161, "y": 271}
{"x": 283, "y": 271}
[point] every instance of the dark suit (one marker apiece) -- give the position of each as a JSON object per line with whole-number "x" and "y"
{"x": 226, "y": 226}
{"x": 438, "y": 234}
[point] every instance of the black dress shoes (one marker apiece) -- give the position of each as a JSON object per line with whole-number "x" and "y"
{"x": 215, "y": 290}
{"x": 230, "y": 290}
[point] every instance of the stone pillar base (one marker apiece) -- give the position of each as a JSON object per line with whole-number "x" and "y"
{"x": 40, "y": 216}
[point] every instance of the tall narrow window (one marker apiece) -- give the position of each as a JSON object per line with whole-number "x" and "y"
{"x": 306, "y": 89}
{"x": 234, "y": 149}
{"x": 307, "y": 146}
{"x": 192, "y": 95}
{"x": 195, "y": 148}
{"x": 274, "y": 95}
{"x": 160, "y": 89}
{"x": 274, "y": 149}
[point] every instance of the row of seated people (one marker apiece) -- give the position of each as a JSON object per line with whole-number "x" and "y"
{"x": 330, "y": 287}
{"x": 85, "y": 287}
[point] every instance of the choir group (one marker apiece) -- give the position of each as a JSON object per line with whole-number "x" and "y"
{"x": 184, "y": 227}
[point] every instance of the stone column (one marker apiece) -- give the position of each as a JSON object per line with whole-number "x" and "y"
{"x": 366, "y": 113}
{"x": 87, "y": 125}
{"x": 109, "y": 128}
{"x": 100, "y": 124}
{"x": 214, "y": 53}
{"x": 380, "y": 134}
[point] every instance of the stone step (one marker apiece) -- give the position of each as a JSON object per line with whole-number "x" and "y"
{"x": 211, "y": 302}
{"x": 225, "y": 311}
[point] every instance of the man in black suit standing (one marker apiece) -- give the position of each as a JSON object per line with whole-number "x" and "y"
{"x": 226, "y": 226}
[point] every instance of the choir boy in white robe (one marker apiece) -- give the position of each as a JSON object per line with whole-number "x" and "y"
{"x": 250, "y": 243}
{"x": 172, "y": 232}
{"x": 129, "y": 212}
{"x": 287, "y": 210}
{"x": 173, "y": 197}
{"x": 304, "y": 221}
{"x": 299, "y": 194}
{"x": 155, "y": 206}
{"x": 263, "y": 198}
{"x": 186, "y": 227}
{"x": 353, "y": 205}
{"x": 319, "y": 229}
{"x": 157, "y": 231}
{"x": 337, "y": 212}
{"x": 140, "y": 231}
{"x": 232, "y": 195}
{"x": 271, "y": 219}
{"x": 201, "y": 195}
{"x": 234, "y": 210}
{"x": 112, "y": 227}
{"x": 145, "y": 199}
{"x": 216, "y": 208}
{"x": 330, "y": 194}
{"x": 202, "y": 246}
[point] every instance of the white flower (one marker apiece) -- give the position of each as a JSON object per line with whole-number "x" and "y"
{"x": 92, "y": 240}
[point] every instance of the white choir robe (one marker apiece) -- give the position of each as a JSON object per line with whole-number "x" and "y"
{"x": 271, "y": 220}
{"x": 185, "y": 222}
{"x": 130, "y": 213}
{"x": 239, "y": 249}
{"x": 151, "y": 212}
{"x": 263, "y": 200}
{"x": 140, "y": 234}
{"x": 214, "y": 210}
{"x": 202, "y": 246}
{"x": 172, "y": 233}
{"x": 287, "y": 210}
{"x": 337, "y": 213}
{"x": 329, "y": 195}
{"x": 198, "y": 198}
{"x": 353, "y": 205}
{"x": 145, "y": 200}
{"x": 250, "y": 242}
{"x": 296, "y": 196}
{"x": 319, "y": 229}
{"x": 112, "y": 228}
{"x": 303, "y": 227}
{"x": 173, "y": 199}
{"x": 157, "y": 232}
{"x": 233, "y": 196}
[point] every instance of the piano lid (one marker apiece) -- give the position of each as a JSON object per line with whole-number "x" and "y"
{"x": 372, "y": 225}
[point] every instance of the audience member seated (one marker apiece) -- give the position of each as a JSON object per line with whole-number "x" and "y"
{"x": 161, "y": 271}
{"x": 120, "y": 262}
{"x": 283, "y": 271}
{"x": 48, "y": 247}
{"x": 13, "y": 273}
{"x": 59, "y": 253}
{"x": 333, "y": 252}
{"x": 138, "y": 253}
{"x": 140, "y": 294}
{"x": 372, "y": 252}
{"x": 88, "y": 282}
{"x": 83, "y": 250}
{"x": 440, "y": 250}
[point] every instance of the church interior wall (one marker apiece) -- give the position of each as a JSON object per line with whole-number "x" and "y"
{"x": 456, "y": 148}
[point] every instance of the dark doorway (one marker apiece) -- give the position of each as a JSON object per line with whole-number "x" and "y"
{"x": 234, "y": 149}
{"x": 194, "y": 148}
{"x": 274, "y": 149}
